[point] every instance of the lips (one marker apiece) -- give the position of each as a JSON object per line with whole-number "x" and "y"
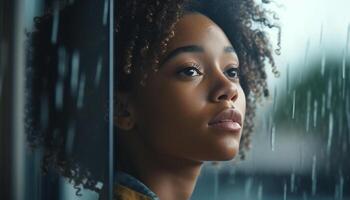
{"x": 228, "y": 119}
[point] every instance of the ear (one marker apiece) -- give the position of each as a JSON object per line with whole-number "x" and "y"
{"x": 124, "y": 116}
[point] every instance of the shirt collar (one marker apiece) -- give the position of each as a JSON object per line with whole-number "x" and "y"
{"x": 131, "y": 182}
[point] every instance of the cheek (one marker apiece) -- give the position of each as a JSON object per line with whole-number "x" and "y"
{"x": 170, "y": 114}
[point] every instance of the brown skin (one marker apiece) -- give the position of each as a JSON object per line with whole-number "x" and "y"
{"x": 164, "y": 133}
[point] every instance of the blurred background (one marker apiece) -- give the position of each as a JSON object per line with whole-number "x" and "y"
{"x": 302, "y": 136}
{"x": 301, "y": 143}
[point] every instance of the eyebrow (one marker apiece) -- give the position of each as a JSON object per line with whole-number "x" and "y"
{"x": 192, "y": 49}
{"x": 184, "y": 49}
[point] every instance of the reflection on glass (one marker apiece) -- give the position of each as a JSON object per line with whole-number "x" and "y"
{"x": 67, "y": 87}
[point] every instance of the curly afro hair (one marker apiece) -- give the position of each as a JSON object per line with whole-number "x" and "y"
{"x": 143, "y": 29}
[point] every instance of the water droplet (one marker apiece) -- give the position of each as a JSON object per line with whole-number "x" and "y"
{"x": 308, "y": 110}
{"x": 348, "y": 116}
{"x": 341, "y": 187}
{"x": 62, "y": 62}
{"x": 304, "y": 196}
{"x": 315, "y": 113}
{"x": 273, "y": 132}
{"x": 55, "y": 22}
{"x": 293, "y": 108}
{"x": 323, "y": 63}
{"x": 292, "y": 181}
{"x": 313, "y": 176}
{"x": 98, "y": 72}
{"x": 105, "y": 13}
{"x": 343, "y": 65}
{"x": 75, "y": 73}
{"x": 248, "y": 187}
{"x": 81, "y": 92}
{"x": 216, "y": 184}
{"x": 336, "y": 191}
{"x": 330, "y": 134}
{"x": 285, "y": 191}
{"x": 275, "y": 99}
{"x": 260, "y": 192}
{"x": 59, "y": 95}
{"x": 344, "y": 89}
{"x": 323, "y": 110}
{"x": 329, "y": 94}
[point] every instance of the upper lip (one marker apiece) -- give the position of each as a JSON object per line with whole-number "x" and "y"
{"x": 229, "y": 114}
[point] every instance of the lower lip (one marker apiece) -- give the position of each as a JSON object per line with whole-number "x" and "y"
{"x": 227, "y": 126}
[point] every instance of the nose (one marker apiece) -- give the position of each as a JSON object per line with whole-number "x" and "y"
{"x": 224, "y": 89}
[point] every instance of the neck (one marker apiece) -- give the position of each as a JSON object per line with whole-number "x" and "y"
{"x": 170, "y": 178}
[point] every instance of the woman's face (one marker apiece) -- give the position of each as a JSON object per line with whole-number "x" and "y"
{"x": 175, "y": 113}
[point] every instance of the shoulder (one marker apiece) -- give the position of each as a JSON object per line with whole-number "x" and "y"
{"x": 124, "y": 193}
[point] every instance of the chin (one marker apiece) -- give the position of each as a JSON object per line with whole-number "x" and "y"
{"x": 223, "y": 153}
{"x": 227, "y": 156}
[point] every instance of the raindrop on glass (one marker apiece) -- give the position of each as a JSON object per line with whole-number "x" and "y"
{"x": 216, "y": 183}
{"x": 81, "y": 92}
{"x": 62, "y": 61}
{"x": 55, "y": 22}
{"x": 330, "y": 134}
{"x": 75, "y": 73}
{"x": 323, "y": 63}
{"x": 273, "y": 133}
{"x": 105, "y": 13}
{"x": 308, "y": 110}
{"x": 315, "y": 113}
{"x": 260, "y": 192}
{"x": 341, "y": 187}
{"x": 323, "y": 110}
{"x": 59, "y": 95}
{"x": 248, "y": 187}
{"x": 293, "y": 107}
{"x": 343, "y": 65}
{"x": 98, "y": 72}
{"x": 285, "y": 191}
{"x": 313, "y": 176}
{"x": 292, "y": 181}
{"x": 329, "y": 94}
{"x": 304, "y": 196}
{"x": 275, "y": 99}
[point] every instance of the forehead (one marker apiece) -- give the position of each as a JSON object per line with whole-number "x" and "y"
{"x": 197, "y": 29}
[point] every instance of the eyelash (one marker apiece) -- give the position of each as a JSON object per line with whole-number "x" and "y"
{"x": 191, "y": 66}
{"x": 196, "y": 67}
{"x": 235, "y": 69}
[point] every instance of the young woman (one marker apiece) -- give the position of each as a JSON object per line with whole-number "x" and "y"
{"x": 189, "y": 74}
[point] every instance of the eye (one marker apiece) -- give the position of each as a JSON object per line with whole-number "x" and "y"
{"x": 190, "y": 70}
{"x": 232, "y": 73}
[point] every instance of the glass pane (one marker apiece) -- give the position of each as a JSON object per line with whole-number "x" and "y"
{"x": 67, "y": 99}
